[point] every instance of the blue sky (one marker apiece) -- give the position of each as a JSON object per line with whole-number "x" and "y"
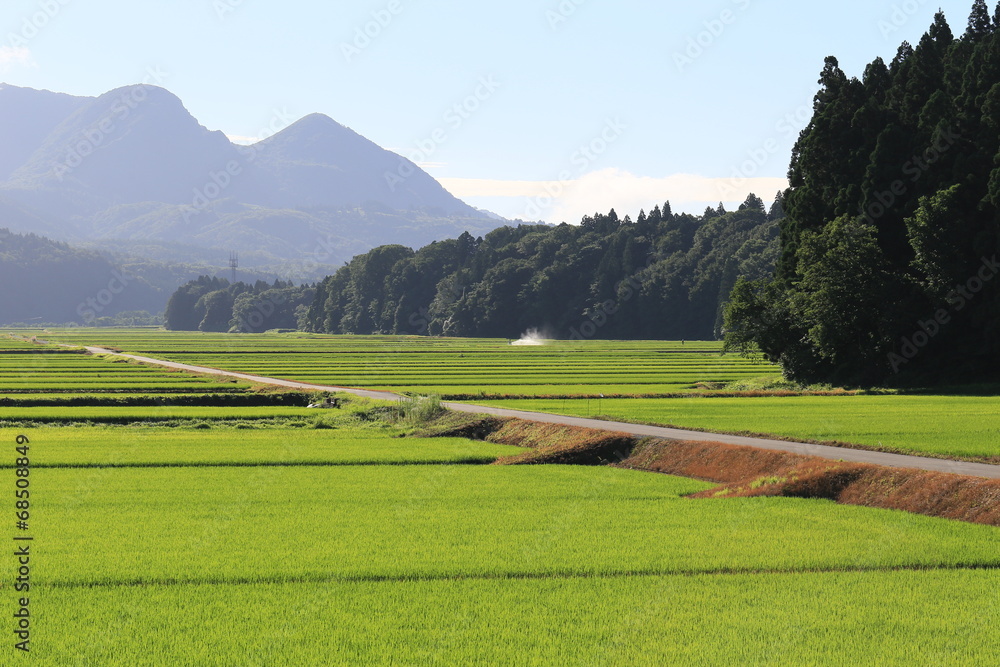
{"x": 540, "y": 109}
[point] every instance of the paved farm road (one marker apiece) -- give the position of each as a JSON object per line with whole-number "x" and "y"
{"x": 822, "y": 451}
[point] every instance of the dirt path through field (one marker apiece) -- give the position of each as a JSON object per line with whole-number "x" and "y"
{"x": 822, "y": 451}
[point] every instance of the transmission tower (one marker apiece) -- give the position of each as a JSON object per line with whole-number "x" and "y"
{"x": 234, "y": 263}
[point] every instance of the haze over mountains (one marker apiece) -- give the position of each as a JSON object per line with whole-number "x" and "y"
{"x": 134, "y": 171}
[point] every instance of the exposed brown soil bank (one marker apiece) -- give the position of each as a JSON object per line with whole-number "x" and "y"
{"x": 971, "y": 499}
{"x": 743, "y": 471}
{"x": 549, "y": 443}
{"x": 711, "y": 461}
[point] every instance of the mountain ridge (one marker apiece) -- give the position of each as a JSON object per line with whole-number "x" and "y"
{"x": 133, "y": 164}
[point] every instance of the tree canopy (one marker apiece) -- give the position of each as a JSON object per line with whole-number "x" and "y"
{"x": 661, "y": 276}
{"x": 213, "y": 304}
{"x": 888, "y": 250}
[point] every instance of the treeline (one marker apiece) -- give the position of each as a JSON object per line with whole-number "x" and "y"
{"x": 49, "y": 282}
{"x": 660, "y": 276}
{"x": 888, "y": 267}
{"x": 214, "y": 304}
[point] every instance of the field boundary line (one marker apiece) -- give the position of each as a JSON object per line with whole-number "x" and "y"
{"x": 273, "y": 464}
{"x": 965, "y": 468}
{"x": 530, "y": 576}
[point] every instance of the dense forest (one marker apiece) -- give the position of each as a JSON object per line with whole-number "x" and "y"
{"x": 50, "y": 282}
{"x": 661, "y": 276}
{"x": 215, "y": 304}
{"x": 889, "y": 248}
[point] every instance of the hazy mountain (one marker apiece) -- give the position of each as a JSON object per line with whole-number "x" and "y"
{"x": 317, "y": 162}
{"x": 134, "y": 166}
{"x": 58, "y": 283}
{"x": 27, "y": 118}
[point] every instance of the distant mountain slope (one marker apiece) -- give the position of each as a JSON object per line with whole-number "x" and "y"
{"x": 27, "y": 117}
{"x": 317, "y": 162}
{"x": 134, "y": 144}
{"x": 51, "y": 282}
{"x": 135, "y": 165}
{"x": 57, "y": 283}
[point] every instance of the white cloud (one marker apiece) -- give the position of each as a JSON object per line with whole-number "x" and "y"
{"x": 15, "y": 56}
{"x": 240, "y": 139}
{"x": 600, "y": 191}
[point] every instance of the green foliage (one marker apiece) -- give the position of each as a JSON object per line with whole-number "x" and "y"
{"x": 213, "y": 305}
{"x": 893, "y": 206}
{"x": 766, "y": 383}
{"x": 182, "y": 312}
{"x": 418, "y": 410}
{"x": 842, "y": 300}
{"x": 936, "y": 232}
{"x": 662, "y": 277}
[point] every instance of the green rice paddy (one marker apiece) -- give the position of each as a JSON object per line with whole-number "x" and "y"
{"x": 242, "y": 535}
{"x": 952, "y": 426}
{"x": 449, "y": 367}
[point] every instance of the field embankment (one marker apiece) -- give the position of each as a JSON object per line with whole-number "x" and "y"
{"x": 958, "y": 426}
{"x": 743, "y": 471}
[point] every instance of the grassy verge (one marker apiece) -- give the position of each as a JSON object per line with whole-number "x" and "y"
{"x": 953, "y": 427}
{"x": 745, "y": 471}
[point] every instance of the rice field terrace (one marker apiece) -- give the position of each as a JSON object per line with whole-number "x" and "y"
{"x": 353, "y": 444}
{"x": 183, "y": 519}
{"x": 452, "y": 368}
{"x": 49, "y": 384}
{"x": 422, "y": 556}
{"x": 29, "y": 368}
{"x": 689, "y": 385}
